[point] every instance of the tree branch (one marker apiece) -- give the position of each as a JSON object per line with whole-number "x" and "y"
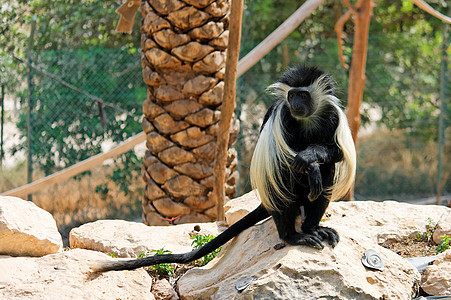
{"x": 339, "y": 30}
{"x": 427, "y": 8}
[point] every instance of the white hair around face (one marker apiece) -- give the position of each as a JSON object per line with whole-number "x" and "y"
{"x": 272, "y": 153}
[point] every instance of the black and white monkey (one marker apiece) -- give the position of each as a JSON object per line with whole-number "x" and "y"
{"x": 305, "y": 156}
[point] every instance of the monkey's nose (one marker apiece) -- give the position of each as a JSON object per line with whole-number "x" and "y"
{"x": 299, "y": 109}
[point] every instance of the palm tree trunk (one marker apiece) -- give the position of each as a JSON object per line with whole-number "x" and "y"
{"x": 183, "y": 58}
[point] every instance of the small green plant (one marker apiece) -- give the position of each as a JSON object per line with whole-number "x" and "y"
{"x": 161, "y": 269}
{"x": 199, "y": 241}
{"x": 113, "y": 254}
{"x": 427, "y": 236}
{"x": 444, "y": 244}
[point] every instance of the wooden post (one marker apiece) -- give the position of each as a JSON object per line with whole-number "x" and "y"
{"x": 228, "y": 105}
{"x": 362, "y": 17}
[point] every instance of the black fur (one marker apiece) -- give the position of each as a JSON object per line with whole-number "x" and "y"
{"x": 310, "y": 174}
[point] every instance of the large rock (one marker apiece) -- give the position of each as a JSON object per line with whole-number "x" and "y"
{"x": 436, "y": 279}
{"x": 68, "y": 275}
{"x": 299, "y": 272}
{"x": 305, "y": 273}
{"x": 163, "y": 290}
{"x": 127, "y": 239}
{"x": 384, "y": 221}
{"x": 27, "y": 230}
{"x": 237, "y": 208}
{"x": 443, "y": 227}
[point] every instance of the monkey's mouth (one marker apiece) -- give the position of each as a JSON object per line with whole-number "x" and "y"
{"x": 300, "y": 112}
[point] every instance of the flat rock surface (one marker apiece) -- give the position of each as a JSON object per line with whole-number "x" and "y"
{"x": 26, "y": 229}
{"x": 299, "y": 272}
{"x": 127, "y": 239}
{"x": 67, "y": 275}
{"x": 384, "y": 221}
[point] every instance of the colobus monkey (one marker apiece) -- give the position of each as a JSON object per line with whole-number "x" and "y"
{"x": 305, "y": 156}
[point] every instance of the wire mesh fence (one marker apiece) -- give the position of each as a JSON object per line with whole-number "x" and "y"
{"x": 80, "y": 100}
{"x": 71, "y": 105}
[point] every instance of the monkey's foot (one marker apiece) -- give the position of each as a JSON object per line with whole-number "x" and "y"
{"x": 306, "y": 239}
{"x": 326, "y": 233}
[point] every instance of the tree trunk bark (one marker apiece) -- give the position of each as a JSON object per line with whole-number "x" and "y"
{"x": 362, "y": 18}
{"x": 183, "y": 58}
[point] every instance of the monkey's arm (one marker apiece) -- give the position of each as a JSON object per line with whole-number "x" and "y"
{"x": 260, "y": 213}
{"x": 315, "y": 181}
{"x": 308, "y": 161}
{"x": 316, "y": 153}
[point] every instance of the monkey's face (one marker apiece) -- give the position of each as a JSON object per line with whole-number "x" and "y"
{"x": 303, "y": 89}
{"x": 301, "y": 102}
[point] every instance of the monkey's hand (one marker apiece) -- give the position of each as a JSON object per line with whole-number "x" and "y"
{"x": 315, "y": 153}
{"x": 303, "y": 160}
{"x": 315, "y": 181}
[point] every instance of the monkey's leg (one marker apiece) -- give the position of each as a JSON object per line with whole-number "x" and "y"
{"x": 285, "y": 221}
{"x": 314, "y": 211}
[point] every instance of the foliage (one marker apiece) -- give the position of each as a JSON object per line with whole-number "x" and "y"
{"x": 113, "y": 254}
{"x": 427, "y": 235}
{"x": 124, "y": 174}
{"x": 161, "y": 269}
{"x": 67, "y": 126}
{"x": 444, "y": 245}
{"x": 74, "y": 24}
{"x": 199, "y": 241}
{"x": 74, "y": 40}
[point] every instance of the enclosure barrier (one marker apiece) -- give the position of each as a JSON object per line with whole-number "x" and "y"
{"x": 80, "y": 167}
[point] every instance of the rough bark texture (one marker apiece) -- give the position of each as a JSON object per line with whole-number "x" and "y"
{"x": 183, "y": 44}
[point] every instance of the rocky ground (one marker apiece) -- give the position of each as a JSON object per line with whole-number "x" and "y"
{"x": 35, "y": 265}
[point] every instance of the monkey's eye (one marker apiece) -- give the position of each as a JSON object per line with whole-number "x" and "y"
{"x": 290, "y": 96}
{"x": 304, "y": 94}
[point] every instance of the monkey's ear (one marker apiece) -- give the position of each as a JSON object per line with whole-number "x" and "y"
{"x": 328, "y": 84}
{"x": 278, "y": 89}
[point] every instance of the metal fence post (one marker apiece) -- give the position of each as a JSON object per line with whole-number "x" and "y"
{"x": 2, "y": 104}
{"x": 30, "y": 106}
{"x": 443, "y": 110}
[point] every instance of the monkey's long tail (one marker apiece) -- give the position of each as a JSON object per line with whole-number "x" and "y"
{"x": 260, "y": 213}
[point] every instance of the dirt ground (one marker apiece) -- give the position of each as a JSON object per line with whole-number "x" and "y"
{"x": 409, "y": 247}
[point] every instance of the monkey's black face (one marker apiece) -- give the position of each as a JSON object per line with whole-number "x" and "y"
{"x": 303, "y": 89}
{"x": 301, "y": 103}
